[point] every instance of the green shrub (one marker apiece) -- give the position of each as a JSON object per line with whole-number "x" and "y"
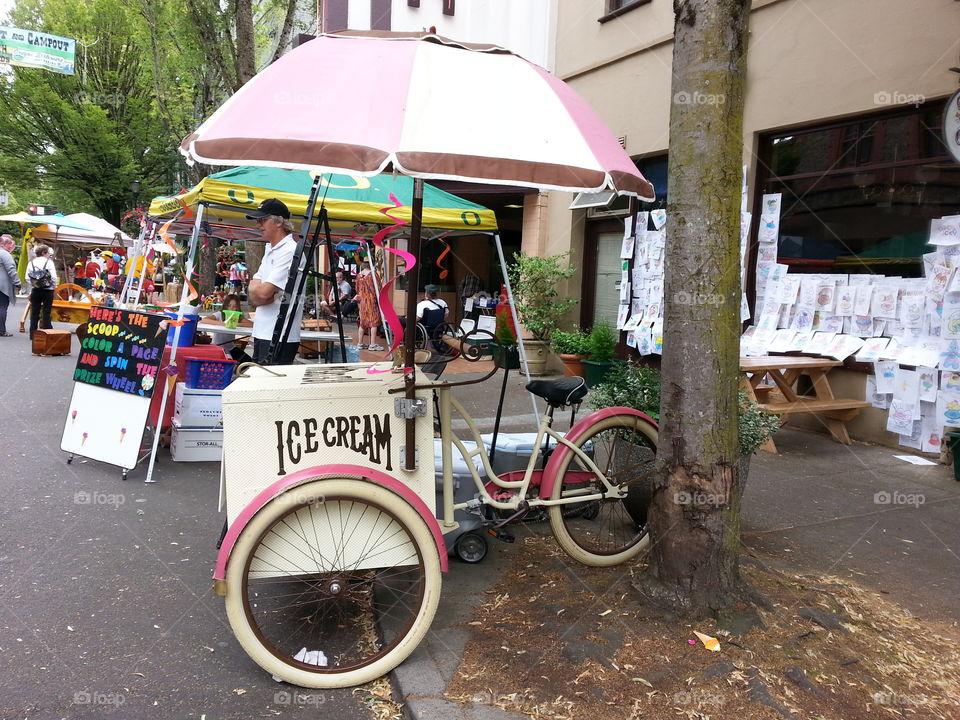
{"x": 756, "y": 425}
{"x": 632, "y": 385}
{"x": 570, "y": 343}
{"x": 629, "y": 385}
{"x": 603, "y": 342}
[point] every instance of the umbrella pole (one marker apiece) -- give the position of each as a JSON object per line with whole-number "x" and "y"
{"x": 516, "y": 322}
{"x": 410, "y": 334}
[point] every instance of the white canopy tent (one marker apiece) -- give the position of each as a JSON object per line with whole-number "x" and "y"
{"x": 101, "y": 233}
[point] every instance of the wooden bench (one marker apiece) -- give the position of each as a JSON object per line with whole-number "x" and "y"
{"x": 838, "y": 408}
{"x": 780, "y": 397}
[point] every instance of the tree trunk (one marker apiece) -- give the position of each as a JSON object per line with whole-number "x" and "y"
{"x": 253, "y": 255}
{"x": 695, "y": 512}
{"x": 246, "y": 43}
{"x": 208, "y": 263}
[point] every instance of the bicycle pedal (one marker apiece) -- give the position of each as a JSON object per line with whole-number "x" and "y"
{"x": 501, "y": 535}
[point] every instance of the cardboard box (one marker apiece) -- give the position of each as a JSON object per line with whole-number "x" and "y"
{"x": 196, "y": 444}
{"x": 198, "y": 408}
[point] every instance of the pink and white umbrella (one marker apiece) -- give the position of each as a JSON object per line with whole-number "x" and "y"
{"x": 421, "y": 105}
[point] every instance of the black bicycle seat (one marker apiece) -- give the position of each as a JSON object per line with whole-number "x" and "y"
{"x": 558, "y": 393}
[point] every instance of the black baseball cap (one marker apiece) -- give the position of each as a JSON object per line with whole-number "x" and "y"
{"x": 271, "y": 206}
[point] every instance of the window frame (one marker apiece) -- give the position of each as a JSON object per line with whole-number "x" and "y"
{"x": 616, "y": 8}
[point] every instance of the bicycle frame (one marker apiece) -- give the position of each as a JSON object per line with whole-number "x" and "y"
{"x": 448, "y": 403}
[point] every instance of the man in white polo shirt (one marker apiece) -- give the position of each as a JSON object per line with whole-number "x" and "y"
{"x": 266, "y": 288}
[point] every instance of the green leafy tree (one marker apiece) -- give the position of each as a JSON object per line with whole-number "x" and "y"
{"x": 79, "y": 140}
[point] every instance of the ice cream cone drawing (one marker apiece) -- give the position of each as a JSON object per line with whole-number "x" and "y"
{"x": 73, "y": 417}
{"x": 710, "y": 643}
{"x": 123, "y": 433}
{"x": 83, "y": 440}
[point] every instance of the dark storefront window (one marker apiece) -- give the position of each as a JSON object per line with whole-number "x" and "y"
{"x": 858, "y": 195}
{"x": 655, "y": 170}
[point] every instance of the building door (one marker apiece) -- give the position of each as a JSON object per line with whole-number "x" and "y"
{"x": 606, "y": 292}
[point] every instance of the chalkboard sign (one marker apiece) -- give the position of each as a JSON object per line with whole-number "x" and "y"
{"x": 122, "y": 351}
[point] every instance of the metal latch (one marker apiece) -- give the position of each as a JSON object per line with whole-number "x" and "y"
{"x": 409, "y": 409}
{"x": 403, "y": 459}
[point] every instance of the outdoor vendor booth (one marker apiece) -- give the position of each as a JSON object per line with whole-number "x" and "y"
{"x": 339, "y": 448}
{"x": 357, "y": 207}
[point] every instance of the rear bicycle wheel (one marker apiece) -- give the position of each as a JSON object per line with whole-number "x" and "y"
{"x": 333, "y": 583}
{"x": 605, "y": 532}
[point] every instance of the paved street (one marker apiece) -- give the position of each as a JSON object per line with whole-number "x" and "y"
{"x": 106, "y": 606}
{"x": 105, "y": 586}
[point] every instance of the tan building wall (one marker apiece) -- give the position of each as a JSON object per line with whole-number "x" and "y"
{"x": 808, "y": 61}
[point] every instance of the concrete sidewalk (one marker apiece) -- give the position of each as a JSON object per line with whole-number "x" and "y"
{"x": 853, "y": 512}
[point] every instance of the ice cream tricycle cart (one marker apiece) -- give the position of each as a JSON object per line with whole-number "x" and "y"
{"x": 332, "y": 561}
{"x": 331, "y": 567}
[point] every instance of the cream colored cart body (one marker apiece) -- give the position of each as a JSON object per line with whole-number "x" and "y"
{"x": 287, "y": 419}
{"x": 325, "y": 528}
{"x": 331, "y": 565}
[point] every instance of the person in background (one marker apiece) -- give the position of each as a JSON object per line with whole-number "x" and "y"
{"x": 9, "y": 281}
{"x": 41, "y": 296}
{"x": 238, "y": 271}
{"x": 431, "y": 301}
{"x": 221, "y": 275}
{"x": 92, "y": 271}
{"x": 226, "y": 340}
{"x": 329, "y": 306}
{"x": 265, "y": 291}
{"x": 369, "y": 311}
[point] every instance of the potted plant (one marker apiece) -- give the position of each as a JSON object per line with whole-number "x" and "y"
{"x": 638, "y": 387}
{"x": 602, "y": 344}
{"x": 572, "y": 348}
{"x": 536, "y": 282}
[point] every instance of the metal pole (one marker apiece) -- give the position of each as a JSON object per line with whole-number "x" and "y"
{"x": 516, "y": 320}
{"x": 409, "y": 337}
{"x": 131, "y": 271}
{"x": 176, "y": 339}
{"x": 334, "y": 264}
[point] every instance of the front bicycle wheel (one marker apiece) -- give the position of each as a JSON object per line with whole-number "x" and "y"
{"x": 604, "y": 532}
{"x": 333, "y": 583}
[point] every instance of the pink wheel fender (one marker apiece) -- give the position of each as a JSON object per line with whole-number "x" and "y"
{"x": 550, "y": 472}
{"x": 302, "y": 476}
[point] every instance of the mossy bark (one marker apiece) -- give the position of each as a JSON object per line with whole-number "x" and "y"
{"x": 695, "y": 513}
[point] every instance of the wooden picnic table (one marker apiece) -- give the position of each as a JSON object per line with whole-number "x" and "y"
{"x": 781, "y": 396}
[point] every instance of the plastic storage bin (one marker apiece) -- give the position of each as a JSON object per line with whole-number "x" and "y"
{"x": 513, "y": 450}
{"x": 203, "y": 374}
{"x": 196, "y": 444}
{"x": 465, "y": 542}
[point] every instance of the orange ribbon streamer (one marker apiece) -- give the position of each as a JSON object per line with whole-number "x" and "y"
{"x": 446, "y": 251}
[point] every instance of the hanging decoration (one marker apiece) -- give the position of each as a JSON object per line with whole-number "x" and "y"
{"x": 386, "y": 305}
{"x": 443, "y": 254}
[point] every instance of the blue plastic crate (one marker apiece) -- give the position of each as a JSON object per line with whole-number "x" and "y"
{"x": 204, "y": 374}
